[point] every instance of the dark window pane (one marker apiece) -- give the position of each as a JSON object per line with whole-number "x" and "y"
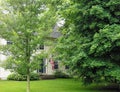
{"x": 66, "y": 67}
{"x": 55, "y": 65}
{"x": 41, "y": 47}
{"x": 42, "y": 67}
{"x": 9, "y": 42}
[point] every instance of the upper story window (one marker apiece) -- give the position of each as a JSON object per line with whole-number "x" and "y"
{"x": 41, "y": 47}
{"x": 9, "y": 42}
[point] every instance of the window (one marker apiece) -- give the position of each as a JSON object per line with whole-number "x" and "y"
{"x": 9, "y": 42}
{"x": 66, "y": 67}
{"x": 55, "y": 65}
{"x": 42, "y": 68}
{"x": 41, "y": 47}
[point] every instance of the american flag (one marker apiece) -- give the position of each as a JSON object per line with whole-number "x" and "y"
{"x": 52, "y": 63}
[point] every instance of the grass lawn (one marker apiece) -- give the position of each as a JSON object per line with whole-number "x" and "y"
{"x": 57, "y": 85}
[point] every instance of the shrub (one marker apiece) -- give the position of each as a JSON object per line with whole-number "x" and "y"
{"x": 11, "y": 77}
{"x": 60, "y": 74}
{"x": 19, "y": 77}
{"x": 34, "y": 76}
{"x": 45, "y": 77}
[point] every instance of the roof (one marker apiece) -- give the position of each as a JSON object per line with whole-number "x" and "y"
{"x": 55, "y": 33}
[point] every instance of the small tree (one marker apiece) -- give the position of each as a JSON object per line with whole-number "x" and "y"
{"x": 26, "y": 24}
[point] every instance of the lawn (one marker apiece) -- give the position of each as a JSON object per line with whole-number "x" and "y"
{"x": 56, "y": 85}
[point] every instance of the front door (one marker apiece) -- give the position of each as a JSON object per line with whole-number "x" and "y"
{"x": 42, "y": 65}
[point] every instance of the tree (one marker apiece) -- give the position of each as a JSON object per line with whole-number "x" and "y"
{"x": 90, "y": 43}
{"x": 26, "y": 24}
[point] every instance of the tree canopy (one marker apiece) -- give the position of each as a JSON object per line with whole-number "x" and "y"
{"x": 25, "y": 24}
{"x": 90, "y": 42}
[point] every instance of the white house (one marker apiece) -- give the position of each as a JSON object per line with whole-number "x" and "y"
{"x": 3, "y": 72}
{"x": 49, "y": 66}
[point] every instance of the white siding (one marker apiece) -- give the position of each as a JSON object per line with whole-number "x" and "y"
{"x": 4, "y": 73}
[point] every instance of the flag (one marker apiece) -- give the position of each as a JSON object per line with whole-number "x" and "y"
{"x": 52, "y": 63}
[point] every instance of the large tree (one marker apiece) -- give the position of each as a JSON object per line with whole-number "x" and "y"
{"x": 90, "y": 43}
{"x": 25, "y": 24}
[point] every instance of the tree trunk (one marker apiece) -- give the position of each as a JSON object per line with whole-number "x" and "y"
{"x": 28, "y": 80}
{"x": 119, "y": 87}
{"x": 28, "y": 62}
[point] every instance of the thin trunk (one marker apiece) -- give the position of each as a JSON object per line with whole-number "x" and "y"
{"x": 119, "y": 87}
{"x": 28, "y": 80}
{"x": 28, "y": 63}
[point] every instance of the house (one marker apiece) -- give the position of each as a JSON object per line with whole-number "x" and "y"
{"x": 48, "y": 65}
{"x": 3, "y": 72}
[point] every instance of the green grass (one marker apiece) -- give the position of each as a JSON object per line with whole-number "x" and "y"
{"x": 57, "y": 85}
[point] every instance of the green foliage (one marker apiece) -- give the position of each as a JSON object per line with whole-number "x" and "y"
{"x": 45, "y": 77}
{"x": 106, "y": 39}
{"x": 90, "y": 43}
{"x": 27, "y": 25}
{"x": 60, "y": 74}
{"x": 34, "y": 76}
{"x": 19, "y": 77}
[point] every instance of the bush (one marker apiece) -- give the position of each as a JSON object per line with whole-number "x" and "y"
{"x": 60, "y": 74}
{"x": 19, "y": 77}
{"x": 45, "y": 77}
{"x": 34, "y": 76}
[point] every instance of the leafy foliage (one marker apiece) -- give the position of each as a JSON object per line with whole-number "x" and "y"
{"x": 19, "y": 77}
{"x": 60, "y": 74}
{"x": 90, "y": 40}
{"x": 27, "y": 25}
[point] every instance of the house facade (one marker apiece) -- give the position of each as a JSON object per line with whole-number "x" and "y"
{"x": 48, "y": 65}
{"x": 3, "y": 72}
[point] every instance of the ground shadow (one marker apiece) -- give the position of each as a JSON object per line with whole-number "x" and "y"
{"x": 111, "y": 87}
